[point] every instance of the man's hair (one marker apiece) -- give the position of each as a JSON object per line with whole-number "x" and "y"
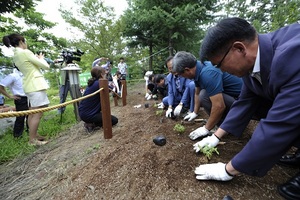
{"x": 158, "y": 78}
{"x": 167, "y": 60}
{"x": 219, "y": 37}
{"x": 182, "y": 60}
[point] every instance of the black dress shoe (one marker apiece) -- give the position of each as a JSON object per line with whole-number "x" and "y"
{"x": 291, "y": 189}
{"x": 290, "y": 160}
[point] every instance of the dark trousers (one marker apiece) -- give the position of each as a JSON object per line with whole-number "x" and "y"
{"x": 97, "y": 120}
{"x": 206, "y": 104}
{"x": 21, "y": 105}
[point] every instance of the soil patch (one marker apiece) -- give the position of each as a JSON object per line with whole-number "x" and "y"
{"x": 80, "y": 165}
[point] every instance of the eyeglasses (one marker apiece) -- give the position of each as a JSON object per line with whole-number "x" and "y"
{"x": 220, "y": 63}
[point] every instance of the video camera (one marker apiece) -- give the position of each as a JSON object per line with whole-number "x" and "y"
{"x": 69, "y": 56}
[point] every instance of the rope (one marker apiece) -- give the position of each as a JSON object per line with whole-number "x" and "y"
{"x": 116, "y": 93}
{"x": 154, "y": 54}
{"x": 28, "y": 112}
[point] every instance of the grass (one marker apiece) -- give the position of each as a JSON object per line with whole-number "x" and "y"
{"x": 51, "y": 125}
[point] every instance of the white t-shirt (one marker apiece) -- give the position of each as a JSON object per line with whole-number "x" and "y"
{"x": 122, "y": 67}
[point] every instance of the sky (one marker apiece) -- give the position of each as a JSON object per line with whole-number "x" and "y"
{"x": 50, "y": 9}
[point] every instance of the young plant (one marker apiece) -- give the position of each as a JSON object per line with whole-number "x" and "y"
{"x": 159, "y": 112}
{"x": 179, "y": 128}
{"x": 208, "y": 151}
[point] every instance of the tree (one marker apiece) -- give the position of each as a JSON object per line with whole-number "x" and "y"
{"x": 102, "y": 32}
{"x": 12, "y": 5}
{"x": 163, "y": 23}
{"x": 34, "y": 32}
{"x": 265, "y": 15}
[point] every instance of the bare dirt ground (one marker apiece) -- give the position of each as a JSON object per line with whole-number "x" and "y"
{"x": 80, "y": 165}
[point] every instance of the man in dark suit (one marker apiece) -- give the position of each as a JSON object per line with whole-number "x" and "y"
{"x": 270, "y": 67}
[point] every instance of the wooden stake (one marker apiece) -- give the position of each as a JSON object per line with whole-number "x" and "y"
{"x": 105, "y": 108}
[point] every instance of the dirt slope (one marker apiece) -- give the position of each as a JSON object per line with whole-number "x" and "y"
{"x": 78, "y": 165}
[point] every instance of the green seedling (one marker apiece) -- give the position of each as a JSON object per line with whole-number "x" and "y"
{"x": 208, "y": 151}
{"x": 179, "y": 128}
{"x": 159, "y": 112}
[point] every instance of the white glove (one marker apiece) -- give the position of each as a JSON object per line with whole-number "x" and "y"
{"x": 160, "y": 105}
{"x": 214, "y": 171}
{"x": 190, "y": 116}
{"x": 178, "y": 110}
{"x": 154, "y": 96}
{"x": 199, "y": 132}
{"x": 210, "y": 141}
{"x": 169, "y": 112}
{"x": 149, "y": 97}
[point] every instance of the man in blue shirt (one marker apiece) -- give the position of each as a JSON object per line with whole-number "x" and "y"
{"x": 180, "y": 92}
{"x": 215, "y": 90}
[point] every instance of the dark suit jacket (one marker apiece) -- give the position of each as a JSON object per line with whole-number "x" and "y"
{"x": 280, "y": 93}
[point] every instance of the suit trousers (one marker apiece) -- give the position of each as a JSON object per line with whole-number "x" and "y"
{"x": 21, "y": 105}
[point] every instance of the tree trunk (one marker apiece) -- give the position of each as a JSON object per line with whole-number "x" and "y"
{"x": 150, "y": 57}
{"x": 171, "y": 48}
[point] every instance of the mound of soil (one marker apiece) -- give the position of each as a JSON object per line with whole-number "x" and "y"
{"x": 81, "y": 165}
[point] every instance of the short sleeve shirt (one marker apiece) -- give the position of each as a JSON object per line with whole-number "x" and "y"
{"x": 14, "y": 82}
{"x": 214, "y": 81}
{"x": 122, "y": 67}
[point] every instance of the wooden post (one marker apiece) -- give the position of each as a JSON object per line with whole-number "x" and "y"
{"x": 115, "y": 99}
{"x": 124, "y": 92}
{"x": 105, "y": 108}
